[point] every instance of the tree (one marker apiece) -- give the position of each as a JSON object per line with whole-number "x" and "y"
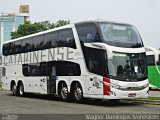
{"x": 30, "y": 28}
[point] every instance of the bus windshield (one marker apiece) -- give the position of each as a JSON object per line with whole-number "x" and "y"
{"x": 120, "y": 35}
{"x": 128, "y": 66}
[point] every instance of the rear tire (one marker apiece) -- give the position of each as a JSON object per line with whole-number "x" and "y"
{"x": 63, "y": 92}
{"x": 14, "y": 89}
{"x": 21, "y": 90}
{"x": 77, "y": 93}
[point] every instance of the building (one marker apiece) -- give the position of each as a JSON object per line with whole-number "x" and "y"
{"x": 9, "y": 22}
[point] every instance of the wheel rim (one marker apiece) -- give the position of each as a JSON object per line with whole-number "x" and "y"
{"x": 64, "y": 93}
{"x": 21, "y": 90}
{"x": 78, "y": 94}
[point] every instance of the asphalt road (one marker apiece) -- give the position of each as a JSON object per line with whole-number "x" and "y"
{"x": 41, "y": 104}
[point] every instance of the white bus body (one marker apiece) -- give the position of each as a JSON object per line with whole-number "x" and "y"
{"x": 70, "y": 60}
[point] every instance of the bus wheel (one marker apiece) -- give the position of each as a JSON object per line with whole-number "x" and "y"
{"x": 63, "y": 92}
{"x": 14, "y": 89}
{"x": 21, "y": 89}
{"x": 77, "y": 93}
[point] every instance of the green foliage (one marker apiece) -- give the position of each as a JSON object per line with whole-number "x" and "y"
{"x": 30, "y": 28}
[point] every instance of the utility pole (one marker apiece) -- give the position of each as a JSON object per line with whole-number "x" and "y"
{"x": 13, "y": 23}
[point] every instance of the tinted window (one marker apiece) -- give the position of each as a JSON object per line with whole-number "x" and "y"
{"x": 66, "y": 39}
{"x": 67, "y": 69}
{"x": 51, "y": 40}
{"x": 96, "y": 60}
{"x": 62, "y": 38}
{"x": 27, "y": 45}
{"x": 5, "y": 50}
{"x": 8, "y": 48}
{"x": 150, "y": 60}
{"x": 87, "y": 33}
{"x": 37, "y": 69}
{"x": 38, "y": 42}
{"x": 62, "y": 69}
{"x": 17, "y": 46}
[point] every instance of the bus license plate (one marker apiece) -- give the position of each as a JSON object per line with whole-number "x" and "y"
{"x": 131, "y": 94}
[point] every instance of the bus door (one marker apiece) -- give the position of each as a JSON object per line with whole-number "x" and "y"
{"x": 40, "y": 84}
{"x": 51, "y": 82}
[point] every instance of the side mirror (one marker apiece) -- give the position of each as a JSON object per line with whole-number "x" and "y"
{"x": 156, "y": 54}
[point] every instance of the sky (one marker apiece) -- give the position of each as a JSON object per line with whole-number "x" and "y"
{"x": 141, "y": 13}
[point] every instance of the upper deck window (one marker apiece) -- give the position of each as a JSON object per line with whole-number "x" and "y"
{"x": 120, "y": 35}
{"x": 87, "y": 32}
{"x": 55, "y": 39}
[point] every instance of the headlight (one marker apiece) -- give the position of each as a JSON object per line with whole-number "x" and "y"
{"x": 115, "y": 86}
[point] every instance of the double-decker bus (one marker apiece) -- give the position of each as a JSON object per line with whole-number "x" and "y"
{"x": 153, "y": 70}
{"x": 93, "y": 59}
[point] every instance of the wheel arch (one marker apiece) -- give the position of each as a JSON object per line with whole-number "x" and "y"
{"x": 74, "y": 82}
{"x": 19, "y": 82}
{"x": 58, "y": 85}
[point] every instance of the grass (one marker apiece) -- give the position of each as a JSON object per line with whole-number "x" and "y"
{"x": 149, "y": 98}
{"x": 0, "y": 86}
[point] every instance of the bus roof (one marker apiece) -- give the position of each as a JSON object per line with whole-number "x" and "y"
{"x": 98, "y": 21}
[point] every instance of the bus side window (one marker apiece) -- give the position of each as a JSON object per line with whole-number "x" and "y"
{"x": 66, "y": 39}
{"x": 26, "y": 70}
{"x": 8, "y": 48}
{"x": 38, "y": 69}
{"x": 11, "y": 50}
{"x": 87, "y": 33}
{"x": 17, "y": 46}
{"x": 27, "y": 45}
{"x": 5, "y": 49}
{"x": 51, "y": 40}
{"x": 73, "y": 69}
{"x": 150, "y": 60}
{"x": 38, "y": 42}
{"x": 67, "y": 69}
{"x": 96, "y": 61}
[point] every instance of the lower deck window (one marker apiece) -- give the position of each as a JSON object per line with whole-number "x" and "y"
{"x": 63, "y": 68}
